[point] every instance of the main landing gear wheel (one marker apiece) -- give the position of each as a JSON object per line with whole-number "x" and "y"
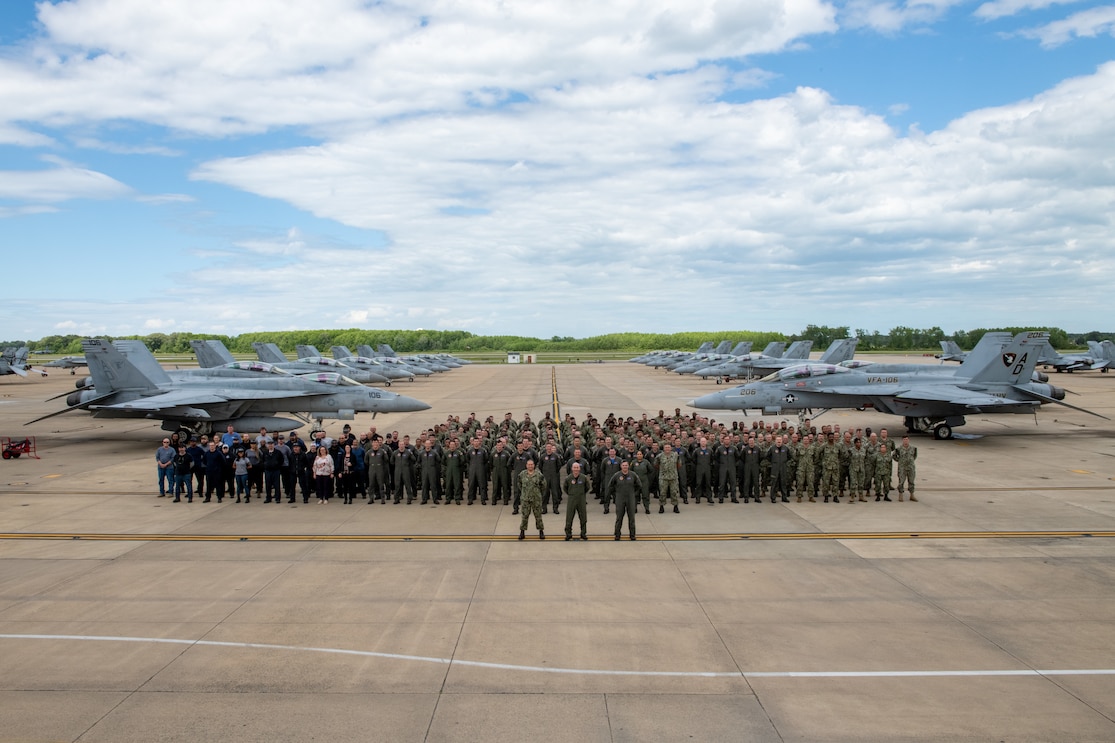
{"x": 943, "y": 431}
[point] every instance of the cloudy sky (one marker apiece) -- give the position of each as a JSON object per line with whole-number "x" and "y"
{"x": 555, "y": 168}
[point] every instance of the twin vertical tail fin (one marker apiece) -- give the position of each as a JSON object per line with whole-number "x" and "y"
{"x": 1015, "y": 362}
{"x": 112, "y": 371}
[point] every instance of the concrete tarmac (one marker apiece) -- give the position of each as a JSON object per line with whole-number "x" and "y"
{"x": 979, "y": 613}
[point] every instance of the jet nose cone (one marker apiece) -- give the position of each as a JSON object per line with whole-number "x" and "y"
{"x": 404, "y": 404}
{"x": 712, "y": 401}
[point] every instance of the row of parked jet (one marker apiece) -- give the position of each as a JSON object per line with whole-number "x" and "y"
{"x": 1100, "y": 357}
{"x": 14, "y": 361}
{"x": 126, "y": 381}
{"x": 997, "y": 376}
{"x": 366, "y": 367}
{"x": 740, "y": 362}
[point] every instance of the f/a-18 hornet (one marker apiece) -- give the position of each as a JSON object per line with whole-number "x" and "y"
{"x": 936, "y": 402}
{"x": 122, "y": 389}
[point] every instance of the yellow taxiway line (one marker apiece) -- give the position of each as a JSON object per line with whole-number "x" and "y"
{"x": 556, "y": 537}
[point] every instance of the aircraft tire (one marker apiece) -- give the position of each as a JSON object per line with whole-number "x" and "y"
{"x": 943, "y": 431}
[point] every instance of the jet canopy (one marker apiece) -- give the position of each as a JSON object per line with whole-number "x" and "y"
{"x": 804, "y": 371}
{"x": 331, "y": 378}
{"x": 322, "y": 361}
{"x": 256, "y": 366}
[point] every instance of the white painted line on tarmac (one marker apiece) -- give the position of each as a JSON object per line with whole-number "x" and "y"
{"x": 575, "y": 671}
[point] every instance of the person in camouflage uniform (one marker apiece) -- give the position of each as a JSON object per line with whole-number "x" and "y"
{"x": 532, "y": 487}
{"x": 857, "y": 465}
{"x": 883, "y": 466}
{"x": 805, "y": 482}
{"x": 668, "y": 478}
{"x": 907, "y": 472}
{"x": 830, "y": 469}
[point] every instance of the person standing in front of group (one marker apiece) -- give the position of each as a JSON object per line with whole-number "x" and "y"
{"x": 323, "y": 474}
{"x": 577, "y": 488}
{"x": 624, "y": 490}
{"x": 532, "y": 488}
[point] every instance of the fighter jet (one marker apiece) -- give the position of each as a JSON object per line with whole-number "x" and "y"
{"x": 950, "y": 351}
{"x": 1048, "y": 357}
{"x": 936, "y": 402}
{"x": 1105, "y": 351}
{"x": 14, "y": 361}
{"x": 646, "y": 358}
{"x": 269, "y": 353}
{"x": 123, "y": 389}
{"x": 73, "y": 363}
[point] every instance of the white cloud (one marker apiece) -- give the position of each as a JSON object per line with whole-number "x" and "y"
{"x": 559, "y": 168}
{"x": 59, "y": 183}
{"x": 92, "y": 143}
{"x": 667, "y": 189}
{"x": 1085, "y": 24}
{"x": 166, "y": 198}
{"x": 215, "y": 68}
{"x": 1002, "y": 8}
{"x": 890, "y": 17}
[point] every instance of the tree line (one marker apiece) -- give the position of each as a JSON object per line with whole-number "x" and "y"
{"x": 900, "y": 338}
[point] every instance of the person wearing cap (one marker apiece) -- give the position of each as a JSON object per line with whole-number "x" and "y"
{"x": 272, "y": 460}
{"x": 286, "y": 472}
{"x": 240, "y": 469}
{"x": 301, "y": 466}
{"x": 196, "y": 450}
{"x": 183, "y": 479}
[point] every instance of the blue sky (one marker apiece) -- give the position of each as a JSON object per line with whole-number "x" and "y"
{"x": 555, "y": 168}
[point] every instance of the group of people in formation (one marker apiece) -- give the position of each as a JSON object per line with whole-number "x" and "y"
{"x": 618, "y": 462}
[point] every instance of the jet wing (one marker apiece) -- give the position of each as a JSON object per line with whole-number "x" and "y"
{"x": 956, "y": 396}
{"x": 200, "y": 398}
{"x": 930, "y": 393}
